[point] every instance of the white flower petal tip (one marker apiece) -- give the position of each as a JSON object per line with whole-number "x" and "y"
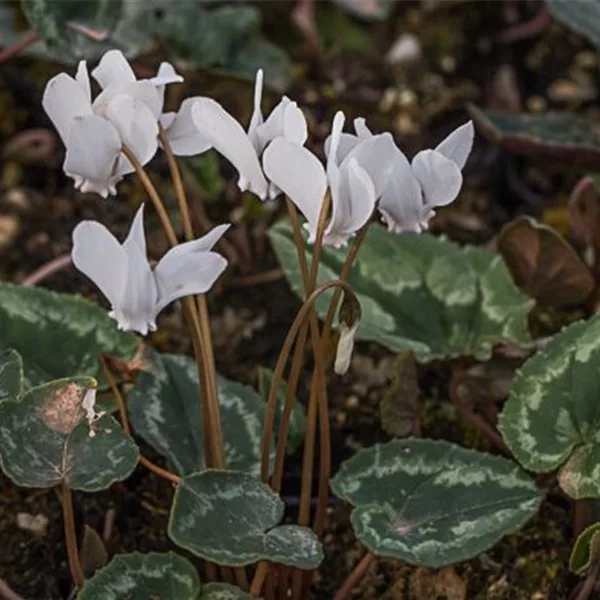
{"x": 136, "y": 293}
{"x": 183, "y": 134}
{"x": 165, "y": 75}
{"x": 440, "y": 177}
{"x": 457, "y": 146}
{"x": 344, "y": 348}
{"x": 113, "y": 68}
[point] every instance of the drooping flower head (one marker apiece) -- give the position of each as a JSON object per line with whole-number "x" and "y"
{"x": 137, "y": 293}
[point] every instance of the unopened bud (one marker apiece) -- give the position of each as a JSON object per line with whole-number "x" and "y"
{"x": 349, "y": 317}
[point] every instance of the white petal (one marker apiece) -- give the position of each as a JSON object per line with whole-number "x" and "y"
{"x": 457, "y": 146}
{"x": 83, "y": 79}
{"x": 336, "y": 133}
{"x": 294, "y": 124}
{"x": 440, "y": 177}
{"x": 113, "y": 68}
{"x": 64, "y": 100}
{"x": 183, "y": 135}
{"x": 349, "y": 141}
{"x": 362, "y": 131}
{"x": 165, "y": 75}
{"x": 136, "y": 236}
{"x": 299, "y": 174}
{"x": 344, "y": 348}
{"x": 188, "y": 274}
{"x": 93, "y": 148}
{"x": 227, "y": 137}
{"x": 352, "y": 205}
{"x": 203, "y": 244}
{"x": 98, "y": 255}
{"x": 257, "y": 119}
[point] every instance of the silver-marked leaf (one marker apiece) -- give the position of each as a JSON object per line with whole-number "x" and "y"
{"x": 58, "y": 335}
{"x": 581, "y": 16}
{"x": 552, "y": 416}
{"x": 297, "y": 416}
{"x": 144, "y": 577}
{"x": 11, "y": 375}
{"x": 45, "y": 440}
{"x": 164, "y": 408}
{"x": 586, "y": 550}
{"x": 232, "y": 518}
{"x": 422, "y": 293}
{"x": 432, "y": 503}
{"x": 224, "y": 591}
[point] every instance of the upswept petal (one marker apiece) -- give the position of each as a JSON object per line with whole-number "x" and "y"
{"x": 348, "y": 141}
{"x": 204, "y": 244}
{"x": 136, "y": 236}
{"x": 300, "y": 175}
{"x": 83, "y": 79}
{"x": 257, "y": 118}
{"x": 286, "y": 120}
{"x": 113, "y": 68}
{"x": 99, "y": 256}
{"x": 182, "y": 133}
{"x": 193, "y": 273}
{"x": 362, "y": 131}
{"x": 165, "y": 75}
{"x": 93, "y": 147}
{"x": 440, "y": 177}
{"x": 227, "y": 136}
{"x": 457, "y": 146}
{"x": 64, "y": 100}
{"x": 144, "y": 91}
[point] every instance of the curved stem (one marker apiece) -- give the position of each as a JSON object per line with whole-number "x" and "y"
{"x": 168, "y": 475}
{"x": 259, "y": 578}
{"x": 357, "y": 574}
{"x": 71, "y": 537}
{"x": 54, "y": 266}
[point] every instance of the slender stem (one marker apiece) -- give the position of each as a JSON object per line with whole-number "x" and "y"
{"x": 240, "y": 578}
{"x": 357, "y": 574}
{"x": 259, "y": 578}
{"x": 168, "y": 475}
{"x": 71, "y": 537}
{"x": 6, "y": 593}
{"x": 30, "y": 38}
{"x": 56, "y": 264}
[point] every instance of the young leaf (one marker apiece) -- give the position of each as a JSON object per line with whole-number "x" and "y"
{"x": 58, "y": 335}
{"x": 560, "y": 137}
{"x": 422, "y": 293}
{"x": 224, "y": 591}
{"x": 543, "y": 264}
{"x": 432, "y": 503}
{"x": 297, "y": 416}
{"x": 11, "y": 375}
{"x": 45, "y": 440}
{"x": 586, "y": 550}
{"x": 232, "y": 518}
{"x": 164, "y": 407}
{"x": 143, "y": 577}
{"x": 552, "y": 415}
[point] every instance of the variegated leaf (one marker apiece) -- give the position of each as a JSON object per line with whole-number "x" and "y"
{"x": 58, "y": 335}
{"x": 232, "y": 518}
{"x": 586, "y": 550}
{"x": 224, "y": 591}
{"x": 164, "y": 407}
{"x": 11, "y": 375}
{"x": 432, "y": 503}
{"x": 144, "y": 577}
{"x": 552, "y": 416}
{"x": 45, "y": 440}
{"x": 422, "y": 293}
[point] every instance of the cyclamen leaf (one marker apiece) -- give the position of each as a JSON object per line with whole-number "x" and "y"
{"x": 586, "y": 550}
{"x": 552, "y": 416}
{"x": 581, "y": 16}
{"x": 11, "y": 375}
{"x": 432, "y": 503}
{"x": 143, "y": 577}
{"x": 59, "y": 335}
{"x": 422, "y": 293}
{"x": 224, "y": 591}
{"x": 232, "y": 518}
{"x": 45, "y": 440}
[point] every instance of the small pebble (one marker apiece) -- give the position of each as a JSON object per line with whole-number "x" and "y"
{"x": 405, "y": 50}
{"x": 35, "y": 524}
{"x": 351, "y": 402}
{"x": 10, "y": 226}
{"x": 536, "y": 104}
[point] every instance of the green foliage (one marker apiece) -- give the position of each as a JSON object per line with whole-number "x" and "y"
{"x": 422, "y": 293}
{"x": 232, "y": 518}
{"x": 45, "y": 440}
{"x": 144, "y": 576}
{"x": 58, "y": 335}
{"x": 433, "y": 503}
{"x": 164, "y": 408}
{"x": 224, "y": 591}
{"x": 580, "y": 15}
{"x": 586, "y": 550}
{"x": 11, "y": 375}
{"x": 552, "y": 416}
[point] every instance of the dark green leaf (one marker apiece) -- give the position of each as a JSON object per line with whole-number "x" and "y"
{"x": 232, "y": 518}
{"x": 11, "y": 375}
{"x": 422, "y": 293}
{"x": 144, "y": 577}
{"x": 433, "y": 503}
{"x": 224, "y": 591}
{"x": 586, "y": 550}
{"x": 582, "y": 16}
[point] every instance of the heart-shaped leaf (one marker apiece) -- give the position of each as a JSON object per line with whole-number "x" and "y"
{"x": 46, "y": 439}
{"x": 552, "y": 415}
{"x": 582, "y": 17}
{"x": 164, "y": 408}
{"x": 58, "y": 335}
{"x": 232, "y": 518}
{"x": 586, "y": 550}
{"x": 11, "y": 375}
{"x": 557, "y": 136}
{"x": 422, "y": 293}
{"x": 543, "y": 264}
{"x": 144, "y": 577}
{"x": 432, "y": 503}
{"x": 224, "y": 591}
{"x": 297, "y": 416}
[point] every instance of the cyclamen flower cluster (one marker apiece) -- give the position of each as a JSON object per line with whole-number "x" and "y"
{"x": 364, "y": 173}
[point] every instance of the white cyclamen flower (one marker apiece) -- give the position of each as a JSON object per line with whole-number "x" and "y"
{"x": 407, "y": 192}
{"x": 301, "y": 176}
{"x": 126, "y": 112}
{"x": 202, "y": 123}
{"x": 136, "y": 292}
